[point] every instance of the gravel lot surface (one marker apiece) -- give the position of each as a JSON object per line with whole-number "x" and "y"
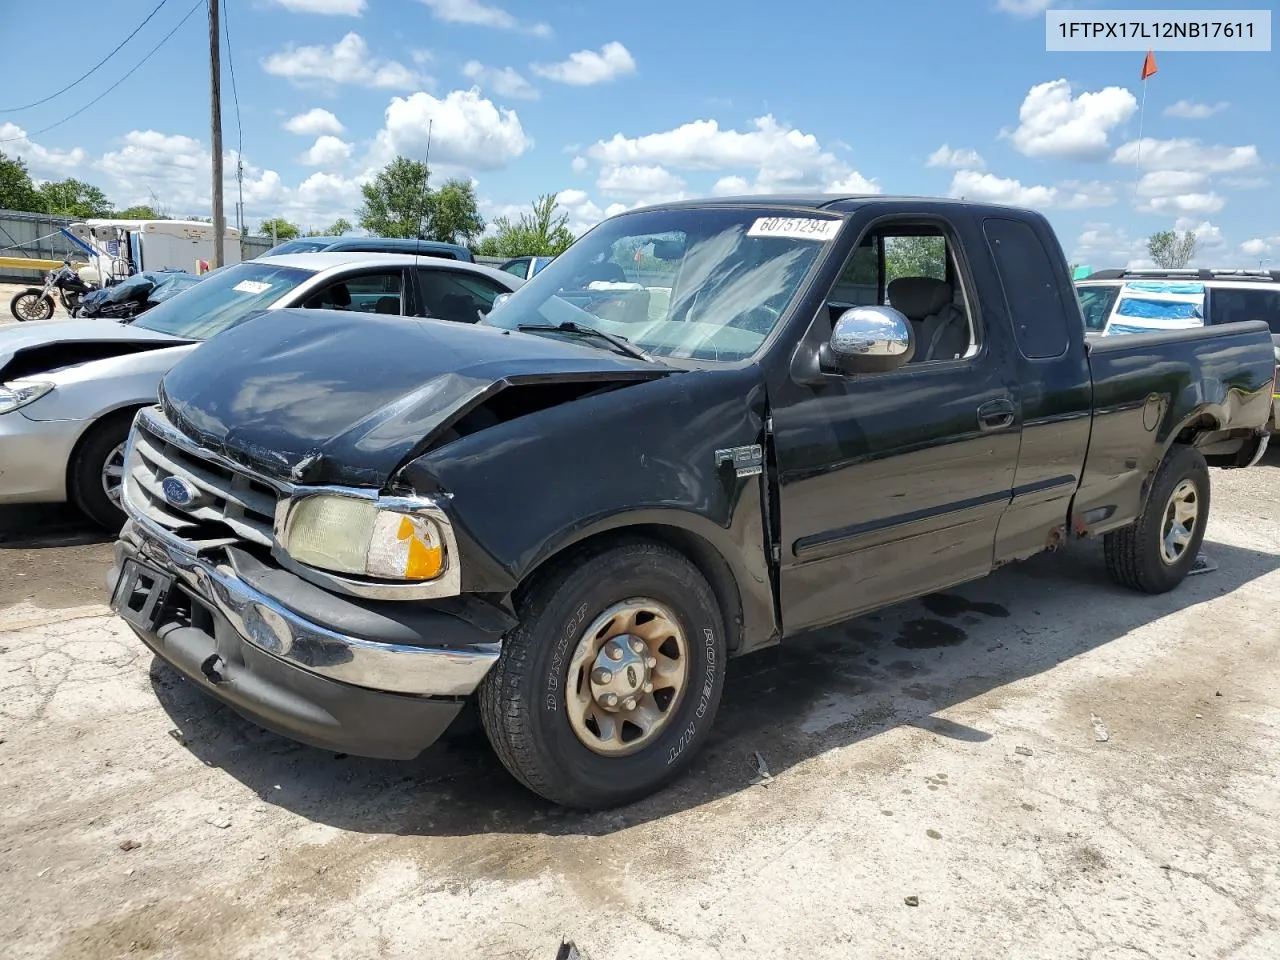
{"x": 939, "y": 789}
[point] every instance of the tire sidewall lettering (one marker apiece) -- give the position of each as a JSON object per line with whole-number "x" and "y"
{"x": 551, "y": 702}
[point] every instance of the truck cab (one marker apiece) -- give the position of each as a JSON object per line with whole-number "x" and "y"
{"x": 704, "y": 429}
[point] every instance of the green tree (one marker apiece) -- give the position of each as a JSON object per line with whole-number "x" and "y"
{"x": 541, "y": 233}
{"x": 397, "y": 203}
{"x": 916, "y": 256}
{"x": 72, "y": 198}
{"x": 280, "y": 228}
{"x": 339, "y": 227}
{"x": 1169, "y": 251}
{"x": 454, "y": 217}
{"x": 17, "y": 192}
{"x": 141, "y": 211}
{"x": 400, "y": 203}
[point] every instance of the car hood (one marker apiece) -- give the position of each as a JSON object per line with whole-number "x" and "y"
{"x": 317, "y": 396}
{"x": 39, "y": 346}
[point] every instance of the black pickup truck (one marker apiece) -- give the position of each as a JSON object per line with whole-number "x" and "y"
{"x": 707, "y": 427}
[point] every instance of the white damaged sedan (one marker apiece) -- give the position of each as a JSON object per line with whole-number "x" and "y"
{"x": 69, "y": 388}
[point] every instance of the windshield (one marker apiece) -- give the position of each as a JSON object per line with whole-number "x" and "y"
{"x": 703, "y": 284}
{"x": 296, "y": 246}
{"x": 221, "y": 300}
{"x": 1095, "y": 304}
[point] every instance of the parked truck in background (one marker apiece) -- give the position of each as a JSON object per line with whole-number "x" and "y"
{"x": 578, "y": 509}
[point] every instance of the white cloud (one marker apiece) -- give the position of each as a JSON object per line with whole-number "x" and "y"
{"x": 479, "y": 14}
{"x": 1024, "y": 8}
{"x": 945, "y": 156}
{"x": 646, "y": 183}
{"x": 1053, "y": 123}
{"x": 332, "y": 8}
{"x": 1260, "y": 246}
{"x": 1104, "y": 245}
{"x": 347, "y": 62}
{"x": 988, "y": 188}
{"x": 1163, "y": 183}
{"x": 587, "y": 67}
{"x": 37, "y": 158}
{"x": 583, "y": 212}
{"x": 327, "y": 151}
{"x": 782, "y": 157}
{"x": 313, "y": 123}
{"x": 1081, "y": 195}
{"x": 1246, "y": 183}
{"x": 579, "y": 164}
{"x": 731, "y": 186}
{"x": 1187, "y": 154}
{"x": 1209, "y": 238}
{"x": 1194, "y": 204}
{"x": 466, "y": 130}
{"x": 1191, "y": 110}
{"x": 505, "y": 82}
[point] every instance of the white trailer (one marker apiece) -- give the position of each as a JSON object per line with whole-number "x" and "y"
{"x": 120, "y": 248}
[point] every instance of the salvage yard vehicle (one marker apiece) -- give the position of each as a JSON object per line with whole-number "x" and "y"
{"x": 37, "y": 303}
{"x": 69, "y": 388}
{"x": 576, "y": 510}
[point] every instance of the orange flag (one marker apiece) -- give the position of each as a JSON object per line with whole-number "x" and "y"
{"x": 1149, "y": 65}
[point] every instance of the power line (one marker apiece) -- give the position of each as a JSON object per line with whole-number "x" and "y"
{"x": 226, "y": 29}
{"x": 84, "y": 76}
{"x": 231, "y": 63}
{"x": 150, "y": 53}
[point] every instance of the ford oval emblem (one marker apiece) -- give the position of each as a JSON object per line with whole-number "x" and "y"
{"x": 177, "y": 491}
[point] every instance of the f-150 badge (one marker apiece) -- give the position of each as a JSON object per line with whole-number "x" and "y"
{"x": 747, "y": 461}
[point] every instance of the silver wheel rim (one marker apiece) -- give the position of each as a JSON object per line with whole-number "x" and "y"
{"x": 1181, "y": 514}
{"x": 32, "y": 307}
{"x": 627, "y": 677}
{"x": 113, "y": 474}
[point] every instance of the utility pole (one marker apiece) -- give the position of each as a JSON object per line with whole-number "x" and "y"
{"x": 215, "y": 138}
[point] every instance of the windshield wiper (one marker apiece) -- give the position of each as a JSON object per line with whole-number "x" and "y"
{"x": 621, "y": 344}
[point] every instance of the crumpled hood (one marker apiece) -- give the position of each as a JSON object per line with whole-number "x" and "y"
{"x": 22, "y": 343}
{"x": 318, "y": 396}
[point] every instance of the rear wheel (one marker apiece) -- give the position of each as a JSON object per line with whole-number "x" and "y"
{"x": 97, "y": 471}
{"x": 607, "y": 687}
{"x": 31, "y": 305}
{"x": 1156, "y": 553}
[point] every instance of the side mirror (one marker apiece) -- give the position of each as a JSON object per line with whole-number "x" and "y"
{"x": 869, "y": 340}
{"x": 498, "y": 301}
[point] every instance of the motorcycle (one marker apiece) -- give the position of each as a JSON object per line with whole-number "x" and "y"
{"x": 36, "y": 303}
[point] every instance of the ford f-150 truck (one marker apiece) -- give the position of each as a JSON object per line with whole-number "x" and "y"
{"x": 705, "y": 428}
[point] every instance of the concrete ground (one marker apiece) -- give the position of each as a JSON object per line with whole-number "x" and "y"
{"x": 939, "y": 787}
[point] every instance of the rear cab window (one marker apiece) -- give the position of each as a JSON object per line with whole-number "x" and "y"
{"x": 1041, "y": 320}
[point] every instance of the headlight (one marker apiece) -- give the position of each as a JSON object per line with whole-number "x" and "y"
{"x": 360, "y": 537}
{"x": 18, "y": 393}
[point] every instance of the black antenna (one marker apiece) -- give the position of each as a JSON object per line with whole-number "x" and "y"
{"x": 426, "y": 173}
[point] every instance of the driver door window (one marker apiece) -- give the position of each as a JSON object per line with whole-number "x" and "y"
{"x": 364, "y": 293}
{"x": 915, "y": 271}
{"x": 457, "y": 296}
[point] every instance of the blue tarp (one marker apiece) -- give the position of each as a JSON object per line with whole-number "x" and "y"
{"x": 1158, "y": 309}
{"x": 1164, "y": 286}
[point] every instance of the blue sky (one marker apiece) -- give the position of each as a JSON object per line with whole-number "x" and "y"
{"x": 616, "y": 104}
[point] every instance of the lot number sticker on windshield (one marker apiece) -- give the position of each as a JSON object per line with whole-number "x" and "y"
{"x": 795, "y": 228}
{"x": 251, "y": 286}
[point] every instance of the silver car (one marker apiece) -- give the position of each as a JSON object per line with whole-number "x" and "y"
{"x": 69, "y": 388}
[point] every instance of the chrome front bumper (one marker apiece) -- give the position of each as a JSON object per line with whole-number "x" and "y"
{"x": 432, "y": 668}
{"x": 34, "y": 456}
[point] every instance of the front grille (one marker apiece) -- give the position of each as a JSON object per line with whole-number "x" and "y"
{"x": 227, "y": 498}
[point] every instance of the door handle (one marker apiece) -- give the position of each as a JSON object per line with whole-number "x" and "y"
{"x": 995, "y": 415}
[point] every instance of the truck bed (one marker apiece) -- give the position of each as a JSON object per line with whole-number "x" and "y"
{"x": 1158, "y": 385}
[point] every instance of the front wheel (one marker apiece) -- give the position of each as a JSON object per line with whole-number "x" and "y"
{"x": 97, "y": 471}
{"x": 607, "y": 688}
{"x": 1155, "y": 553}
{"x": 31, "y": 305}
